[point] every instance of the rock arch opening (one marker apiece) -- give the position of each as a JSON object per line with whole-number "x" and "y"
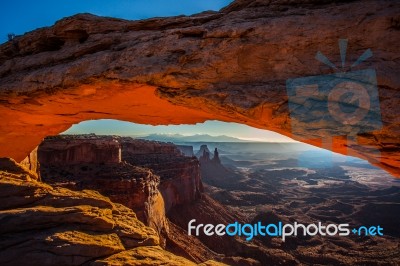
{"x": 194, "y": 136}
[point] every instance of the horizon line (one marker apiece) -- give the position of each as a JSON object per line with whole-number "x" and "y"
{"x": 240, "y": 140}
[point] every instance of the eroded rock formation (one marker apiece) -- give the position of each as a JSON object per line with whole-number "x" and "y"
{"x": 180, "y": 175}
{"x": 80, "y": 149}
{"x": 230, "y": 65}
{"x": 153, "y": 179}
{"x": 213, "y": 172}
{"x": 186, "y": 150}
{"x": 147, "y": 176}
{"x": 203, "y": 152}
{"x": 94, "y": 162}
{"x": 43, "y": 225}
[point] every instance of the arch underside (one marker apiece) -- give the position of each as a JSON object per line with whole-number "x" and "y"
{"x": 230, "y": 66}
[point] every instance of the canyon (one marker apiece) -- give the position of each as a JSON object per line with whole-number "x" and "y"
{"x": 292, "y": 182}
{"x": 61, "y": 211}
{"x": 142, "y": 182}
{"x": 230, "y": 65}
{"x": 147, "y": 176}
{"x": 45, "y": 225}
{"x": 154, "y": 179}
{"x": 160, "y": 184}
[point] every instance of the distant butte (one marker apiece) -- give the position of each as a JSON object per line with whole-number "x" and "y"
{"x": 230, "y": 65}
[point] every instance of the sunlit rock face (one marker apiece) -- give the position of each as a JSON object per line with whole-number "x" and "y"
{"x": 94, "y": 162}
{"x": 230, "y": 65}
{"x": 45, "y": 225}
{"x": 80, "y": 149}
{"x": 31, "y": 162}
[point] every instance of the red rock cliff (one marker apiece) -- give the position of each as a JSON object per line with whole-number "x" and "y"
{"x": 151, "y": 178}
{"x": 94, "y": 162}
{"x": 46, "y": 226}
{"x": 180, "y": 175}
{"x": 80, "y": 149}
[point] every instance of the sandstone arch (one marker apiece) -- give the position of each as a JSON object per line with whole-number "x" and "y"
{"x": 229, "y": 65}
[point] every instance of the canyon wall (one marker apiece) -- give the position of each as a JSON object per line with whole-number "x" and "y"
{"x": 94, "y": 162}
{"x": 31, "y": 162}
{"x": 147, "y": 176}
{"x": 180, "y": 175}
{"x": 69, "y": 149}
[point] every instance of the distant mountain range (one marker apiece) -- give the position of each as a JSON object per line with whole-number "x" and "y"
{"x": 195, "y": 138}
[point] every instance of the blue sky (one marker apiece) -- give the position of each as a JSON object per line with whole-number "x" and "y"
{"x": 22, "y": 16}
{"x": 213, "y": 128}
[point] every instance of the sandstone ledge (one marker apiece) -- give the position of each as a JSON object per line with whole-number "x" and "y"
{"x": 44, "y": 225}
